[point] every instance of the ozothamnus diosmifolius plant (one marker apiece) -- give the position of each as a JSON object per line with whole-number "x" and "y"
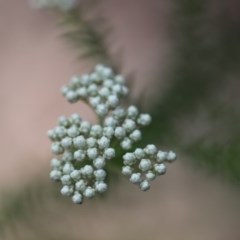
{"x": 83, "y": 150}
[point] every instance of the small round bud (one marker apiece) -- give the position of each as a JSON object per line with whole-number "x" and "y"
{"x": 75, "y": 175}
{"x": 126, "y": 144}
{"x": 150, "y": 149}
{"x": 129, "y": 125}
{"x": 52, "y": 135}
{"x": 66, "y": 191}
{"x": 119, "y": 133}
{"x": 110, "y": 122}
{"x": 136, "y": 135}
{"x": 87, "y": 170}
{"x": 85, "y": 127}
{"x": 92, "y": 89}
{"x": 144, "y": 185}
{"x": 127, "y": 170}
{"x": 112, "y": 101}
{"x": 60, "y": 131}
{"x": 73, "y": 131}
{"x": 104, "y": 92}
{"x": 55, "y": 163}
{"x": 150, "y": 175}
{"x": 77, "y": 198}
{"x": 144, "y": 119}
{"x": 120, "y": 79}
{"x": 135, "y": 178}
{"x": 79, "y": 142}
{"x": 55, "y": 175}
{"x": 67, "y": 156}
{"x": 57, "y": 148}
{"x": 95, "y": 101}
{"x": 129, "y": 158}
{"x": 100, "y": 174}
{"x": 66, "y": 142}
{"x": 79, "y": 155}
{"x": 103, "y": 142}
{"x": 99, "y": 162}
{"x": 102, "y": 110}
{"x": 109, "y": 153}
{"x": 160, "y": 168}
{"x": 71, "y": 96}
{"x": 63, "y": 121}
{"x": 96, "y": 131}
{"x": 145, "y": 164}
{"x": 89, "y": 192}
{"x": 67, "y": 168}
{"x": 132, "y": 112}
{"x": 80, "y": 185}
{"x": 101, "y": 186}
{"x": 108, "y": 132}
{"x": 66, "y": 180}
{"x": 75, "y": 119}
{"x": 82, "y": 92}
{"x": 139, "y": 153}
{"x": 91, "y": 142}
{"x": 171, "y": 156}
{"x": 92, "y": 153}
{"x": 161, "y": 156}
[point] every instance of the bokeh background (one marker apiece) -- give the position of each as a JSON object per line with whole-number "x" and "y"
{"x": 181, "y": 59}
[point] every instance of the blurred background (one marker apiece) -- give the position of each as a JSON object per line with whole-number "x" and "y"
{"x": 181, "y": 59}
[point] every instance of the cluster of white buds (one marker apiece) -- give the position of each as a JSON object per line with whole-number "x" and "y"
{"x": 102, "y": 90}
{"x": 84, "y": 149}
{"x": 63, "y": 5}
{"x": 143, "y": 165}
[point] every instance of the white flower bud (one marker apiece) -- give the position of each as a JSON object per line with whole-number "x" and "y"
{"x": 95, "y": 101}
{"x": 79, "y": 155}
{"x": 85, "y": 127}
{"x": 104, "y": 92}
{"x": 67, "y": 156}
{"x": 89, "y": 192}
{"x": 77, "y": 198}
{"x": 57, "y": 148}
{"x": 126, "y": 144}
{"x": 107, "y": 72}
{"x": 171, "y": 156}
{"x": 120, "y": 79}
{"x": 101, "y": 186}
{"x": 99, "y": 163}
{"x": 66, "y": 180}
{"x": 160, "y": 168}
{"x": 135, "y": 178}
{"x": 75, "y": 175}
{"x": 79, "y": 142}
{"x": 75, "y": 81}
{"x": 73, "y": 131}
{"x": 64, "y": 90}
{"x": 102, "y": 110}
{"x": 129, "y": 158}
{"x": 110, "y": 122}
{"x": 113, "y": 101}
{"x": 139, "y": 153}
{"x": 63, "y": 121}
{"x": 119, "y": 113}
{"x": 85, "y": 80}
{"x": 161, "y": 156}
{"x": 103, "y": 142}
{"x": 119, "y": 133}
{"x": 108, "y": 132}
{"x": 100, "y": 174}
{"x": 52, "y": 135}
{"x": 92, "y": 89}
{"x": 66, "y": 142}
{"x": 96, "y": 131}
{"x": 150, "y": 175}
{"x": 66, "y": 191}
{"x": 60, "y": 131}
{"x": 55, "y": 175}
{"x": 71, "y": 96}
{"x": 87, "y": 170}
{"x": 67, "y": 168}
{"x": 109, "y": 153}
{"x": 144, "y": 119}
{"x": 91, "y": 142}
{"x": 80, "y": 185}
{"x": 145, "y": 164}
{"x": 136, "y": 135}
{"x": 82, "y": 92}
{"x": 144, "y": 185}
{"x": 150, "y": 149}
{"x": 55, "y": 163}
{"x": 127, "y": 170}
{"x": 76, "y": 119}
{"x": 132, "y": 112}
{"x": 92, "y": 153}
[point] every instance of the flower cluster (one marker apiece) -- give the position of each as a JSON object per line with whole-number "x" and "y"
{"x": 63, "y": 5}
{"x": 84, "y": 149}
